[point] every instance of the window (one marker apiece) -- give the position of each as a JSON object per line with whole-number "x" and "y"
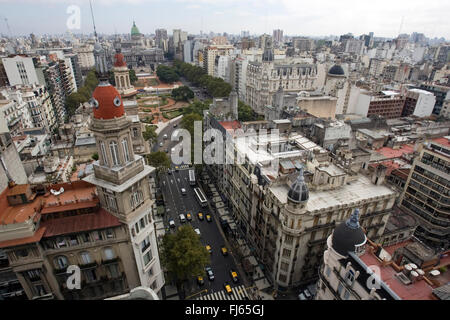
{"x": 145, "y": 244}
{"x": 136, "y": 197}
{"x": 125, "y": 150}
{"x": 135, "y": 132}
{"x": 288, "y": 239}
{"x": 350, "y": 277}
{"x": 103, "y": 151}
{"x": 39, "y": 290}
{"x": 113, "y": 270}
{"x": 148, "y": 257}
{"x": 86, "y": 257}
{"x": 22, "y": 253}
{"x": 284, "y": 266}
{"x": 340, "y": 288}
{"x": 346, "y": 295}
{"x": 111, "y": 202}
{"x": 328, "y": 271}
{"x": 73, "y": 240}
{"x": 114, "y": 152}
{"x": 85, "y": 237}
{"x": 109, "y": 254}
{"x": 90, "y": 275}
{"x": 109, "y": 233}
{"x": 282, "y": 278}
{"x": 286, "y": 253}
{"x": 61, "y": 262}
{"x": 97, "y": 235}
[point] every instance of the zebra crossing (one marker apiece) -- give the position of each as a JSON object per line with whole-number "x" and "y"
{"x": 238, "y": 293}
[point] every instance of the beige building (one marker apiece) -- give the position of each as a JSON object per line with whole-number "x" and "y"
{"x": 44, "y": 235}
{"x": 125, "y": 185}
{"x": 288, "y": 201}
{"x": 211, "y": 52}
{"x": 319, "y": 106}
{"x": 263, "y": 79}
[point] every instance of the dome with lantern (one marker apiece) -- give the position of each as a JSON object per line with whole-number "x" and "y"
{"x": 107, "y": 102}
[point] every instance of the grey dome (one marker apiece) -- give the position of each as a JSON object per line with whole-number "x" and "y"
{"x": 336, "y": 70}
{"x": 348, "y": 234}
{"x": 299, "y": 192}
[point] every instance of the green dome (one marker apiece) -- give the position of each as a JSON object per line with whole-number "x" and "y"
{"x": 134, "y": 30}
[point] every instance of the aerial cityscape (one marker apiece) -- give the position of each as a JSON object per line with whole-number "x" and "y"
{"x": 297, "y": 152}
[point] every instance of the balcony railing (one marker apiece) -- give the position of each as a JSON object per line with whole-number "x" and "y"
{"x": 110, "y": 261}
{"x": 88, "y": 265}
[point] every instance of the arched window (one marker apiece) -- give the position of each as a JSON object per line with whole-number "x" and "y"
{"x": 109, "y": 254}
{"x": 122, "y": 82}
{"x": 125, "y": 150}
{"x": 114, "y": 153}
{"x": 103, "y": 151}
{"x": 86, "y": 257}
{"x": 61, "y": 262}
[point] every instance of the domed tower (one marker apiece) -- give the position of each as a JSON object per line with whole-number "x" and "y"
{"x": 125, "y": 185}
{"x": 349, "y": 236}
{"x": 336, "y": 85}
{"x": 136, "y": 36}
{"x": 122, "y": 75}
{"x": 298, "y": 194}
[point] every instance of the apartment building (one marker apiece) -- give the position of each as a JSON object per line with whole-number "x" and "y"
{"x": 211, "y": 52}
{"x": 427, "y": 193}
{"x": 44, "y": 231}
{"x": 356, "y": 268}
{"x": 287, "y": 211}
{"x": 265, "y": 78}
{"x": 20, "y": 70}
{"x": 419, "y": 103}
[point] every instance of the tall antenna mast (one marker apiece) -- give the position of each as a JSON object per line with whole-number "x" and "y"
{"x": 401, "y": 25}
{"x": 93, "y": 21}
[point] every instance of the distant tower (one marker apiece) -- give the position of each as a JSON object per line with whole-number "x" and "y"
{"x": 122, "y": 76}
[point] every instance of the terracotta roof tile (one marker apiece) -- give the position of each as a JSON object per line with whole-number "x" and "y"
{"x": 79, "y": 223}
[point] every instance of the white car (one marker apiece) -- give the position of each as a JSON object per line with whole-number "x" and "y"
{"x": 172, "y": 223}
{"x": 197, "y": 231}
{"x": 165, "y": 137}
{"x": 183, "y": 191}
{"x": 161, "y": 144}
{"x": 182, "y": 218}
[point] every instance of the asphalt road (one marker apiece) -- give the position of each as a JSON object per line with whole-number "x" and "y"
{"x": 175, "y": 204}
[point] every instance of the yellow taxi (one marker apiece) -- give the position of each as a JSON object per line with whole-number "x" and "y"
{"x": 188, "y": 216}
{"x": 208, "y": 218}
{"x": 208, "y": 247}
{"x": 224, "y": 250}
{"x": 227, "y": 288}
{"x": 234, "y": 276}
{"x": 200, "y": 281}
{"x": 200, "y": 216}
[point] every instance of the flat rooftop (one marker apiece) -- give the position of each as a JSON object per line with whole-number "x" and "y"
{"x": 360, "y": 189}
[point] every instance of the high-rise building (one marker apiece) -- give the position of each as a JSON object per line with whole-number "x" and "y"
{"x": 419, "y": 103}
{"x": 427, "y": 193}
{"x": 20, "y": 70}
{"x": 278, "y": 36}
{"x": 211, "y": 52}
{"x": 161, "y": 39}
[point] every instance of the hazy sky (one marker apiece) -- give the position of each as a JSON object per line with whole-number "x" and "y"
{"x": 295, "y": 17}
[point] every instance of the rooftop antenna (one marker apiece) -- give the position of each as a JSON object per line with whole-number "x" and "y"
{"x": 93, "y": 21}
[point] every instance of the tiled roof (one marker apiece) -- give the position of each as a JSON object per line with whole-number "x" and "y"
{"x": 79, "y": 223}
{"x": 16, "y": 242}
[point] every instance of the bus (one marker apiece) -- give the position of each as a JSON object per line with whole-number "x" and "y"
{"x": 192, "y": 177}
{"x": 201, "y": 197}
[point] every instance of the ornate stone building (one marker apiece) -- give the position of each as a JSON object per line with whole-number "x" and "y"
{"x": 124, "y": 183}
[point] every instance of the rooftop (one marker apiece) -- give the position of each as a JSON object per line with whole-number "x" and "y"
{"x": 390, "y": 153}
{"x": 352, "y": 192}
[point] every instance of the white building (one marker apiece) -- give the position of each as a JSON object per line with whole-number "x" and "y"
{"x": 211, "y": 52}
{"x": 419, "y": 102}
{"x": 20, "y": 70}
{"x": 85, "y": 56}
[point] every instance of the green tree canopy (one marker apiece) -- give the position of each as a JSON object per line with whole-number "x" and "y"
{"x": 133, "y": 77}
{"x": 182, "y": 93}
{"x": 188, "y": 122}
{"x": 159, "y": 160}
{"x": 149, "y": 134}
{"x": 167, "y": 74}
{"x": 183, "y": 254}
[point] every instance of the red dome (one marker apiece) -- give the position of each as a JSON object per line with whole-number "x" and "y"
{"x": 107, "y": 101}
{"x": 119, "y": 60}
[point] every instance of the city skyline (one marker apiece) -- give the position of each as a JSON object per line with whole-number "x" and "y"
{"x": 308, "y": 19}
